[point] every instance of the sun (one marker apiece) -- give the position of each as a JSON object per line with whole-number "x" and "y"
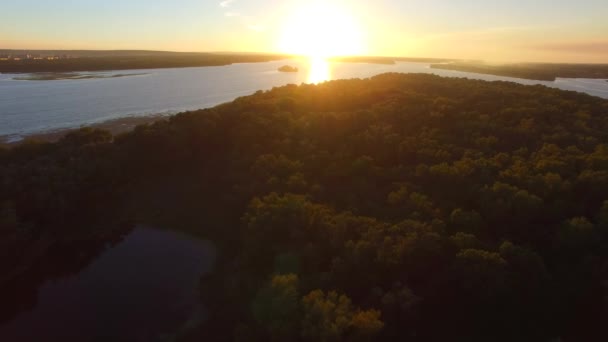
{"x": 321, "y": 30}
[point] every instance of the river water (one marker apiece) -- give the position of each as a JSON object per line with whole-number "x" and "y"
{"x": 144, "y": 288}
{"x": 35, "y": 106}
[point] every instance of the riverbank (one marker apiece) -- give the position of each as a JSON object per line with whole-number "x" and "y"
{"x": 530, "y": 71}
{"x": 115, "y": 126}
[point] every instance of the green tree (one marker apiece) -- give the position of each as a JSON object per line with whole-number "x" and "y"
{"x": 332, "y": 317}
{"x": 481, "y": 274}
{"x": 276, "y": 307}
{"x": 462, "y": 240}
{"x": 576, "y": 233}
{"x": 466, "y": 221}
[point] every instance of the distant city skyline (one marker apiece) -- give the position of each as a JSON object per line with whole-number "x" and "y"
{"x": 518, "y": 30}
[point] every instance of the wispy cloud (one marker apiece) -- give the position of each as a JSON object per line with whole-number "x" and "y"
{"x": 233, "y": 14}
{"x": 226, "y": 3}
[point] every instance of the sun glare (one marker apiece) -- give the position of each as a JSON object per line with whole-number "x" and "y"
{"x": 319, "y": 70}
{"x": 321, "y": 30}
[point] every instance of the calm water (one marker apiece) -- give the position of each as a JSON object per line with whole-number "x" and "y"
{"x": 143, "y": 289}
{"x": 34, "y": 106}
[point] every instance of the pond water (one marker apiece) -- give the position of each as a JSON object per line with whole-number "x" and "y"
{"x": 31, "y": 106}
{"x": 145, "y": 288}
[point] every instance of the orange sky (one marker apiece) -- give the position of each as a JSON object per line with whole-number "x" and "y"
{"x": 516, "y": 30}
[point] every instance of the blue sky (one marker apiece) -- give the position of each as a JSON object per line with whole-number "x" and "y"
{"x": 539, "y": 30}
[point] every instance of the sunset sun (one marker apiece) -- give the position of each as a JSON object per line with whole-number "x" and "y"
{"x": 321, "y": 30}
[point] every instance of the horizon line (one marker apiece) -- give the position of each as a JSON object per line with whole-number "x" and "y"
{"x": 294, "y": 55}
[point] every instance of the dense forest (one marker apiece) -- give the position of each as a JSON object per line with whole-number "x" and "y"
{"x": 532, "y": 71}
{"x": 396, "y": 208}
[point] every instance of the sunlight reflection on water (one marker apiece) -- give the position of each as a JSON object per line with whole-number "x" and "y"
{"x": 319, "y": 70}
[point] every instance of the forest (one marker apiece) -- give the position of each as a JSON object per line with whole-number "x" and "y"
{"x": 129, "y": 60}
{"x": 396, "y": 208}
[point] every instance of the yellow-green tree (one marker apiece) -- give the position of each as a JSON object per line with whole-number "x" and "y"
{"x": 276, "y": 306}
{"x": 332, "y": 317}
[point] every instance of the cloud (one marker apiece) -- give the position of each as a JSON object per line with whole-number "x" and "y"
{"x": 226, "y": 3}
{"x": 233, "y": 14}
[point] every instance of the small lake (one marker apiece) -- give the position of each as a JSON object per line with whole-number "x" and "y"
{"x": 145, "y": 288}
{"x": 28, "y": 106}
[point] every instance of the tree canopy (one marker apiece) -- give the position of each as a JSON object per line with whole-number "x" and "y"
{"x": 401, "y": 207}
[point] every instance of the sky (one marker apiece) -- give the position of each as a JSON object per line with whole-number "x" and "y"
{"x": 513, "y": 30}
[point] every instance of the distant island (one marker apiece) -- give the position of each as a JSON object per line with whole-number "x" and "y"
{"x": 531, "y": 71}
{"x": 287, "y": 68}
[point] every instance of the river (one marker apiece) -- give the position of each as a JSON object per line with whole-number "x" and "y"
{"x": 28, "y": 107}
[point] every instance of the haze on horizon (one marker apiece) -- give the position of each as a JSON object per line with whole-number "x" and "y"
{"x": 518, "y": 30}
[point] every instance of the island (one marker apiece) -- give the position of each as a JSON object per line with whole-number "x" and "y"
{"x": 287, "y": 68}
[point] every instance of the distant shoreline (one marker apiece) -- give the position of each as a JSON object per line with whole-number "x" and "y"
{"x": 91, "y": 61}
{"x": 531, "y": 71}
{"x": 115, "y": 63}
{"x": 57, "y": 76}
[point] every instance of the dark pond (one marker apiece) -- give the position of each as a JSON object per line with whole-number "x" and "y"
{"x": 145, "y": 288}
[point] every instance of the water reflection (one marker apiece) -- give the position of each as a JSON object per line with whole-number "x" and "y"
{"x": 143, "y": 287}
{"x": 319, "y": 70}
{"x": 46, "y": 260}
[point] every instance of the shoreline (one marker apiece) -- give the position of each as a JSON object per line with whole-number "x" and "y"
{"x": 114, "y": 126}
{"x": 531, "y": 71}
{"x": 117, "y": 62}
